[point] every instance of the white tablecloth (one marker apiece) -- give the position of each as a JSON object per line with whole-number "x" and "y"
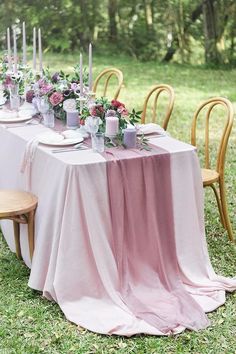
{"x": 73, "y": 231}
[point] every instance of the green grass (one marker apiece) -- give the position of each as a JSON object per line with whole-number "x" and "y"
{"x": 31, "y": 324}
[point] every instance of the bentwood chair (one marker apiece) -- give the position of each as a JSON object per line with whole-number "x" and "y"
{"x": 152, "y": 101}
{"x": 19, "y": 206}
{"x": 222, "y": 109}
{"x": 107, "y": 77}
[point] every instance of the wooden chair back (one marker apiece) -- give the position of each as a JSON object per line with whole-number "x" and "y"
{"x": 155, "y": 94}
{"x": 208, "y": 107}
{"x": 105, "y": 76}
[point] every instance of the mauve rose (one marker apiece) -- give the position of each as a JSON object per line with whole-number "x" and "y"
{"x": 8, "y": 81}
{"x": 29, "y": 96}
{"x": 45, "y": 88}
{"x": 56, "y": 98}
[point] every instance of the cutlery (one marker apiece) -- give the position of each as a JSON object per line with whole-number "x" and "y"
{"x": 29, "y": 122}
{"x": 74, "y": 148}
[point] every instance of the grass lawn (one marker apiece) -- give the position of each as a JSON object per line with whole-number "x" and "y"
{"x": 31, "y": 324}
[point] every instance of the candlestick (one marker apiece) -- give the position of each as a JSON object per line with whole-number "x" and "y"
{"x": 40, "y": 53}
{"x": 129, "y": 138}
{"x": 9, "y": 49}
{"x": 34, "y": 48}
{"x": 24, "y": 44}
{"x": 81, "y": 75}
{"x": 90, "y": 68}
{"x": 112, "y": 126}
{"x": 15, "y": 51}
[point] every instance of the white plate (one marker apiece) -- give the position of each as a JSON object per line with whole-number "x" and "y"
{"x": 52, "y": 140}
{"x": 14, "y": 119}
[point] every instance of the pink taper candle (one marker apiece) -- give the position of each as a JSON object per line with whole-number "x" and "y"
{"x": 81, "y": 75}
{"x": 9, "y": 49}
{"x": 40, "y": 52}
{"x": 15, "y": 51}
{"x": 24, "y": 43}
{"x": 90, "y": 68}
{"x": 34, "y": 48}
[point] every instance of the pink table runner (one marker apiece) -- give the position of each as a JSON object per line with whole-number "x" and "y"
{"x": 76, "y": 256}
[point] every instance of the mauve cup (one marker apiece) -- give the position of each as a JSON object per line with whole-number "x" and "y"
{"x": 72, "y": 119}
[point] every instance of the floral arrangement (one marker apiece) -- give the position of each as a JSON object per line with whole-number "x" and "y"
{"x": 103, "y": 108}
{"x": 23, "y": 78}
{"x": 51, "y": 91}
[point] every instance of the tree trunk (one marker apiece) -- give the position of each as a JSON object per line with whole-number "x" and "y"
{"x": 210, "y": 31}
{"x": 112, "y": 11}
{"x": 175, "y": 41}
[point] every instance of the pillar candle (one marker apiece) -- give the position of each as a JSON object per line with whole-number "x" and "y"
{"x": 15, "y": 51}
{"x": 24, "y": 43}
{"x": 34, "y": 48}
{"x": 90, "y": 68}
{"x": 129, "y": 138}
{"x": 112, "y": 126}
{"x": 9, "y": 49}
{"x": 81, "y": 75}
{"x": 40, "y": 52}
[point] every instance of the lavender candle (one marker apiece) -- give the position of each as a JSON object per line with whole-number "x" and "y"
{"x": 72, "y": 119}
{"x": 112, "y": 126}
{"x": 9, "y": 49}
{"x": 129, "y": 138}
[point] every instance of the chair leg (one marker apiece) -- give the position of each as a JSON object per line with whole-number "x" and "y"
{"x": 17, "y": 238}
{"x": 31, "y": 232}
{"x": 225, "y": 210}
{"x": 219, "y": 205}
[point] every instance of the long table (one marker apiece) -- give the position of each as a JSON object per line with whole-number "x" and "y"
{"x": 119, "y": 237}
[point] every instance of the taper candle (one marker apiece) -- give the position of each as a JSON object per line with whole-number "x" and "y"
{"x": 9, "y": 50}
{"x": 81, "y": 75}
{"x": 15, "y": 51}
{"x": 40, "y": 52}
{"x": 34, "y": 48}
{"x": 90, "y": 68}
{"x": 24, "y": 43}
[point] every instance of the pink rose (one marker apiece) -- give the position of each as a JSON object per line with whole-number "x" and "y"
{"x": 122, "y": 110}
{"x": 117, "y": 104}
{"x": 56, "y": 98}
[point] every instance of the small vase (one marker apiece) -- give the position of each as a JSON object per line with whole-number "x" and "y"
{"x": 14, "y": 97}
{"x": 49, "y": 118}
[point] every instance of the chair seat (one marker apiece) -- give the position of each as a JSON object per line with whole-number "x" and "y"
{"x": 209, "y": 176}
{"x": 14, "y": 202}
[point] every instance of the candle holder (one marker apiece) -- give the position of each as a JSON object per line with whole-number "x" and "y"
{"x": 14, "y": 97}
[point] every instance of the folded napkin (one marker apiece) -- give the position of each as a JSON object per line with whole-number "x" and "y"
{"x": 150, "y": 128}
{"x": 28, "y": 159}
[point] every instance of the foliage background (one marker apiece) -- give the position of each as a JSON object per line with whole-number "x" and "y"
{"x": 192, "y": 31}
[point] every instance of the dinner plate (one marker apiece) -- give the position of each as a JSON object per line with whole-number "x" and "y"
{"x": 58, "y": 140}
{"x": 10, "y": 118}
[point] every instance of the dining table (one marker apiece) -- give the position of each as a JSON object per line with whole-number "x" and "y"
{"x": 120, "y": 240}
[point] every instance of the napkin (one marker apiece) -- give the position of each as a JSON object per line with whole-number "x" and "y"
{"x": 150, "y": 128}
{"x": 28, "y": 159}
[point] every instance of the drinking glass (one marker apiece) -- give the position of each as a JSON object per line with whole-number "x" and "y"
{"x": 98, "y": 142}
{"x": 49, "y": 118}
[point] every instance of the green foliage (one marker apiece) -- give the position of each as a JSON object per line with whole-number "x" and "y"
{"x": 146, "y": 30}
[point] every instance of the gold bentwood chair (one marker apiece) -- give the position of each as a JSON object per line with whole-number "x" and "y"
{"x": 154, "y": 94}
{"x": 211, "y": 176}
{"x": 19, "y": 207}
{"x": 104, "y": 78}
